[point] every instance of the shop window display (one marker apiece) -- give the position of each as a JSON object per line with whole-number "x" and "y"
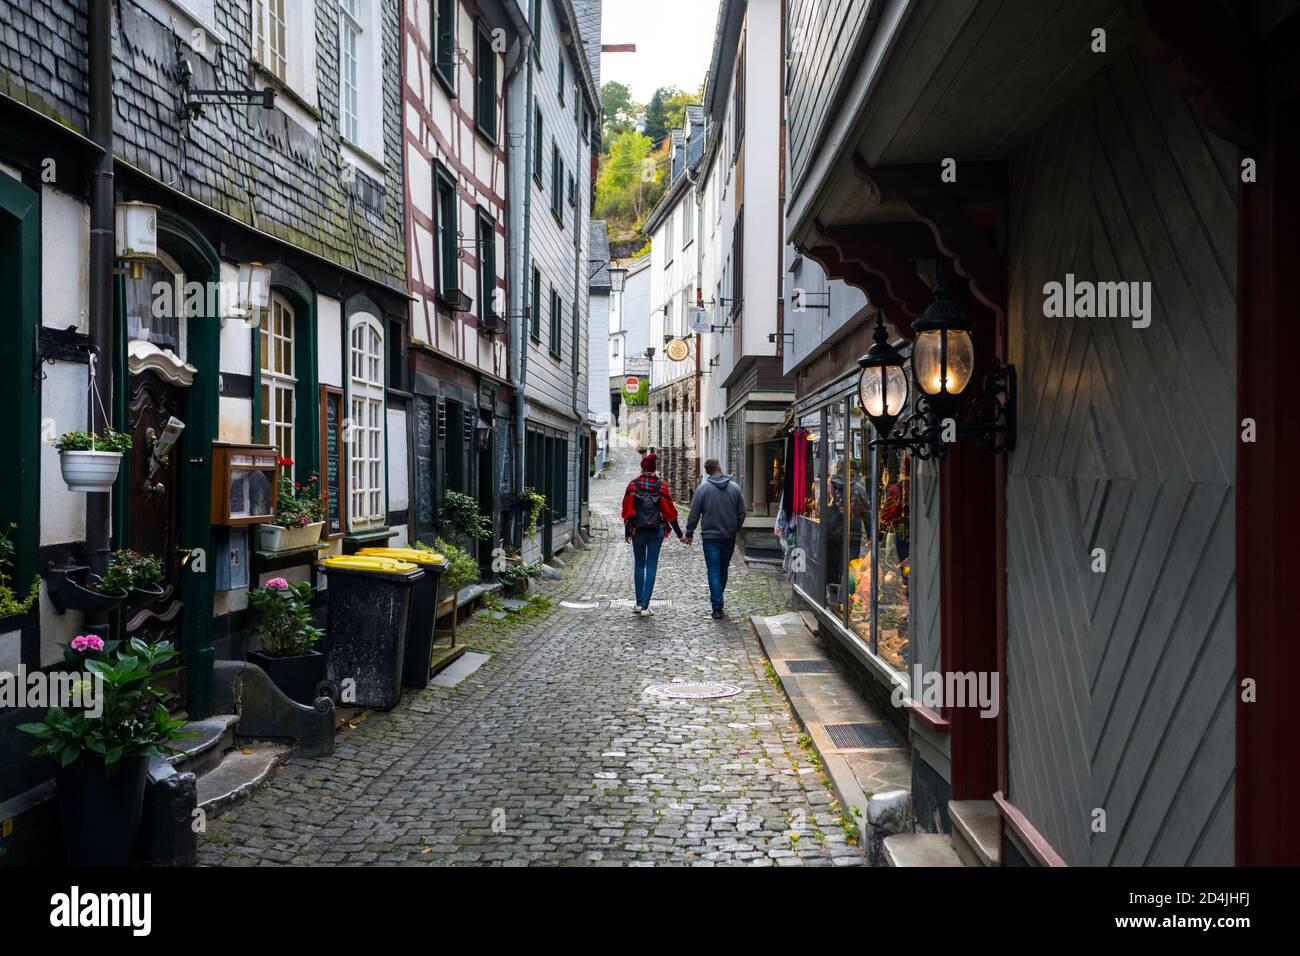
{"x": 893, "y": 557}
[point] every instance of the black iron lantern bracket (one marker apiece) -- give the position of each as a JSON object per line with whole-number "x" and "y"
{"x": 193, "y": 101}
{"x": 988, "y": 421}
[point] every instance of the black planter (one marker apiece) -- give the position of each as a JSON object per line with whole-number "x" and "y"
{"x": 298, "y": 676}
{"x": 100, "y": 812}
{"x": 147, "y": 593}
{"x": 69, "y": 590}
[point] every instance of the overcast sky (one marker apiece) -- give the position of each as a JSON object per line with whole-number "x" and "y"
{"x": 674, "y": 40}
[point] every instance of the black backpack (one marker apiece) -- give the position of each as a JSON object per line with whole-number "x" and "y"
{"x": 645, "y": 506}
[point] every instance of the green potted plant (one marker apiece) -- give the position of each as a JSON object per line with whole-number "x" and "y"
{"x": 516, "y": 577}
{"x": 74, "y": 587}
{"x": 461, "y": 569}
{"x": 89, "y": 461}
{"x": 11, "y": 605}
{"x": 534, "y": 501}
{"x": 141, "y": 574}
{"x": 299, "y": 513}
{"x": 101, "y": 758}
{"x": 286, "y": 632}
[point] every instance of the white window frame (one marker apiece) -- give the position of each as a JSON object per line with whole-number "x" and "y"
{"x": 293, "y": 64}
{"x": 279, "y": 383}
{"x": 367, "y": 497}
{"x": 361, "y": 118}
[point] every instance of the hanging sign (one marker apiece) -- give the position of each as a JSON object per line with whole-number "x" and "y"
{"x": 678, "y": 349}
{"x": 632, "y": 384}
{"x": 700, "y": 321}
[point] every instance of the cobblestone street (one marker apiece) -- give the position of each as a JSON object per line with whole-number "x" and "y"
{"x": 553, "y": 752}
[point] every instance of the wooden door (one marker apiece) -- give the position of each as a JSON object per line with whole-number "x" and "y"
{"x": 155, "y": 512}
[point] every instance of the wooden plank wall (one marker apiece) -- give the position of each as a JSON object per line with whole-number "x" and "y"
{"x": 1120, "y": 685}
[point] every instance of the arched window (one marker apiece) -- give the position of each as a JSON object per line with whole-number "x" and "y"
{"x": 367, "y": 506}
{"x": 276, "y": 348}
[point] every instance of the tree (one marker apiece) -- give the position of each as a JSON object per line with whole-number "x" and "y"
{"x": 656, "y": 114}
{"x": 620, "y": 112}
{"x": 625, "y": 185}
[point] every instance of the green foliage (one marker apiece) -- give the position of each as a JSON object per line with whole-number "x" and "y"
{"x": 619, "y": 112}
{"x": 10, "y": 603}
{"x": 536, "y": 501}
{"x": 284, "y": 624}
{"x": 298, "y": 504}
{"x": 134, "y": 722}
{"x": 640, "y": 397}
{"x": 462, "y": 567}
{"x": 127, "y": 569}
{"x": 629, "y": 182}
{"x": 513, "y": 573}
{"x": 462, "y": 513}
{"x": 83, "y": 441}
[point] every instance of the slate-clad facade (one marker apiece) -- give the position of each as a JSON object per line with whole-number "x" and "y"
{"x": 311, "y": 188}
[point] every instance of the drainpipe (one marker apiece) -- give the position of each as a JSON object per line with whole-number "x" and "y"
{"x": 522, "y": 290}
{"x": 580, "y": 268}
{"x": 99, "y": 527}
{"x": 699, "y": 297}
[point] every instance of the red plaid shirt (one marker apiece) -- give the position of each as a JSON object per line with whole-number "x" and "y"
{"x": 649, "y": 482}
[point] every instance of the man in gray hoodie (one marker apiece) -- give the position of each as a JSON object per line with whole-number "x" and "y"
{"x": 718, "y": 507}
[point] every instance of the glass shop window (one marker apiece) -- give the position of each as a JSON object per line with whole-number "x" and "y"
{"x": 861, "y": 617}
{"x": 893, "y": 565}
{"x": 835, "y": 515}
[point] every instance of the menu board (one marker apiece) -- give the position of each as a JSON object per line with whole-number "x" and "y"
{"x": 332, "y": 454}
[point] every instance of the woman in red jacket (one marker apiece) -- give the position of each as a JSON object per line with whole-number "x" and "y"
{"x": 648, "y": 513}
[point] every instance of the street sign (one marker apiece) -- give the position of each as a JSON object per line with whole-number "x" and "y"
{"x": 700, "y": 321}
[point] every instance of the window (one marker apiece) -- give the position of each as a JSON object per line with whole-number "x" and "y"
{"x": 366, "y": 506}
{"x": 535, "y": 310}
{"x": 557, "y": 182}
{"x": 278, "y": 384}
{"x": 444, "y": 43}
{"x": 487, "y": 266}
{"x": 271, "y": 37}
{"x": 738, "y": 264}
{"x": 572, "y": 192}
{"x": 161, "y": 289}
{"x": 349, "y": 45}
{"x": 738, "y": 106}
{"x": 535, "y": 21}
{"x": 539, "y": 149}
{"x": 560, "y": 86}
{"x": 447, "y": 234}
{"x": 555, "y": 322}
{"x": 688, "y": 221}
{"x": 485, "y": 87}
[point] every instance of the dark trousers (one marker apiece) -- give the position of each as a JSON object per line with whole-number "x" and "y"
{"x": 717, "y": 558}
{"x": 645, "y": 554}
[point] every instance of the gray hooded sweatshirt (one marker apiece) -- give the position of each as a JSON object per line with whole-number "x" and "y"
{"x": 718, "y": 507}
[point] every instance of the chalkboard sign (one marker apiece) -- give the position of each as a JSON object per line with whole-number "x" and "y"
{"x": 333, "y": 452}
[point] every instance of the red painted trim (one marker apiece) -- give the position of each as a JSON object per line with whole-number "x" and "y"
{"x": 1267, "y": 781}
{"x": 932, "y": 719}
{"x": 1038, "y": 845}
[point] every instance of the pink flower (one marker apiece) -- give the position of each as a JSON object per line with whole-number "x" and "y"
{"x": 87, "y": 642}
{"x": 280, "y": 584}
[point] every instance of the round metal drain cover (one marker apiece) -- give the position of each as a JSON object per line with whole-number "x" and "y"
{"x": 693, "y": 690}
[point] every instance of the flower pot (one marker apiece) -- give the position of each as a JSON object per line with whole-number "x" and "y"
{"x": 70, "y": 589}
{"x": 91, "y": 471}
{"x": 143, "y": 594}
{"x": 297, "y": 676}
{"x": 272, "y": 537}
{"x": 100, "y": 811}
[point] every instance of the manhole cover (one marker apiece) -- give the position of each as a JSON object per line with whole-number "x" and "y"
{"x": 694, "y": 690}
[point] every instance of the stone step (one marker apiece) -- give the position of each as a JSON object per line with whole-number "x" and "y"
{"x": 975, "y": 831}
{"x": 237, "y": 776}
{"x": 920, "y": 849}
{"x": 216, "y": 735}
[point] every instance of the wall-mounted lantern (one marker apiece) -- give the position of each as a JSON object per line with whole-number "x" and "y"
{"x": 617, "y": 278}
{"x": 943, "y": 363}
{"x": 135, "y": 234}
{"x": 253, "y": 294}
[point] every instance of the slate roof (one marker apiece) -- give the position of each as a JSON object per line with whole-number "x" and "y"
{"x": 599, "y": 281}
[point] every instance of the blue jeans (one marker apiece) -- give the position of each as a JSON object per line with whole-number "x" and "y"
{"x": 717, "y": 558}
{"x": 645, "y": 552}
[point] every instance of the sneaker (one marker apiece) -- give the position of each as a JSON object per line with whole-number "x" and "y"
{"x": 636, "y": 609}
{"x": 717, "y": 614}
{"x": 646, "y": 612}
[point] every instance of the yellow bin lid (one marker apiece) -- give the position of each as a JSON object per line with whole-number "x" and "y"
{"x": 412, "y": 555}
{"x": 371, "y": 563}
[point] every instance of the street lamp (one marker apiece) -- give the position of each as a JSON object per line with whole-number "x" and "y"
{"x": 943, "y": 363}
{"x": 882, "y": 387}
{"x": 253, "y": 294}
{"x": 617, "y": 278}
{"x": 135, "y": 234}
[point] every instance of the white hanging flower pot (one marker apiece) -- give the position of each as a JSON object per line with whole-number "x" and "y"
{"x": 90, "y": 471}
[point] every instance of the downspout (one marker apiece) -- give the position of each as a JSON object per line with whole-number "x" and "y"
{"x": 699, "y": 296}
{"x": 99, "y": 23}
{"x": 579, "y": 267}
{"x": 520, "y": 291}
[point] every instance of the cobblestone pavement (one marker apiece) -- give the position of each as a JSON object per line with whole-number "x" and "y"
{"x": 553, "y": 752}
